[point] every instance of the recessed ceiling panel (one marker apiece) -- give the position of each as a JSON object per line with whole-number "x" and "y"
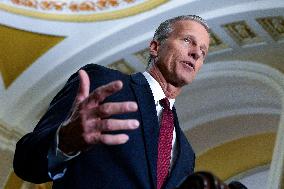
{"x": 274, "y": 26}
{"x": 216, "y": 43}
{"x": 122, "y": 66}
{"x": 143, "y": 56}
{"x": 242, "y": 33}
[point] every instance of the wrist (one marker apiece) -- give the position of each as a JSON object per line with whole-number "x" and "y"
{"x": 66, "y": 140}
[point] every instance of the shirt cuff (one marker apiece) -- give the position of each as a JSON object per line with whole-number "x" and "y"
{"x": 57, "y": 159}
{"x": 60, "y": 154}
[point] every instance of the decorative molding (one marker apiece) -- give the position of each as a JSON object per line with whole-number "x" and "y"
{"x": 241, "y": 33}
{"x": 72, "y": 6}
{"x": 122, "y": 66}
{"x": 274, "y": 26}
{"x": 216, "y": 43}
{"x": 8, "y": 138}
{"x": 143, "y": 56}
{"x": 78, "y": 10}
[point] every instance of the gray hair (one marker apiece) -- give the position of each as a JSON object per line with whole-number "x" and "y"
{"x": 165, "y": 28}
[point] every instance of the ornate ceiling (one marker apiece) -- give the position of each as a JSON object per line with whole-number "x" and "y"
{"x": 78, "y": 10}
{"x": 234, "y": 101}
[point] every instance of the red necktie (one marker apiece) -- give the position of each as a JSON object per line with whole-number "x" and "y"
{"x": 165, "y": 143}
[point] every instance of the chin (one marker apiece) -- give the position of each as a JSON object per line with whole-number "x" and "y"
{"x": 187, "y": 76}
{"x": 188, "y": 80}
{"x": 183, "y": 79}
{"x": 183, "y": 82}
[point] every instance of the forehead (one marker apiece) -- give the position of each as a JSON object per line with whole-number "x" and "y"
{"x": 190, "y": 27}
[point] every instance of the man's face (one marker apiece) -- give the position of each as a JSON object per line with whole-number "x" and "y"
{"x": 181, "y": 55}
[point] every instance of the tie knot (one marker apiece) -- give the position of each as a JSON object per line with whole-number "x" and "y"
{"x": 165, "y": 103}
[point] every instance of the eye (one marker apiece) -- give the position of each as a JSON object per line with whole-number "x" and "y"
{"x": 187, "y": 40}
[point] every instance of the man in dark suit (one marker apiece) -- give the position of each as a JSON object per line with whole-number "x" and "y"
{"x": 102, "y": 129}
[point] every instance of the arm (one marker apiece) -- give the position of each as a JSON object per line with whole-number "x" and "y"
{"x": 30, "y": 158}
{"x": 88, "y": 120}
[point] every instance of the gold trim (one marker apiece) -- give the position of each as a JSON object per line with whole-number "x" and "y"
{"x": 9, "y": 134}
{"x": 242, "y": 33}
{"x": 216, "y": 44}
{"x": 87, "y": 18}
{"x": 274, "y": 26}
{"x": 20, "y": 49}
{"x": 143, "y": 56}
{"x": 238, "y": 156}
{"x": 13, "y": 182}
{"x": 122, "y": 66}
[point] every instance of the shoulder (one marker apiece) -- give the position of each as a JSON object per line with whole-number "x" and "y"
{"x": 97, "y": 72}
{"x": 94, "y": 68}
{"x": 98, "y": 75}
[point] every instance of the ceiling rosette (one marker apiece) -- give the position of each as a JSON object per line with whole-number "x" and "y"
{"x": 79, "y": 10}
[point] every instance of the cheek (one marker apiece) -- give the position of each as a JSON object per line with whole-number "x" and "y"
{"x": 181, "y": 50}
{"x": 178, "y": 55}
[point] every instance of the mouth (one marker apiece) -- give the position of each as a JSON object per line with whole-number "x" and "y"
{"x": 189, "y": 64}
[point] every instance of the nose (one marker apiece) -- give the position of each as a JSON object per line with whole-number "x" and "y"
{"x": 195, "y": 52}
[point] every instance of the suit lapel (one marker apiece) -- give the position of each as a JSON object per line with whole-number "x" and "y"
{"x": 149, "y": 120}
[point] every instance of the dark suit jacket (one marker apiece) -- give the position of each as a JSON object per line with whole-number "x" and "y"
{"x": 131, "y": 165}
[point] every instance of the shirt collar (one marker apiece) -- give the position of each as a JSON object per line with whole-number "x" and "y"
{"x": 156, "y": 89}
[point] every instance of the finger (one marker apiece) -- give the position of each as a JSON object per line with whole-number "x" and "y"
{"x": 109, "y": 139}
{"x": 117, "y": 124}
{"x": 104, "y": 91}
{"x": 84, "y": 86}
{"x": 114, "y": 139}
{"x": 107, "y": 109}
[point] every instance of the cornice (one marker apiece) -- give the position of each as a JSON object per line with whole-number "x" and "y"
{"x": 8, "y": 137}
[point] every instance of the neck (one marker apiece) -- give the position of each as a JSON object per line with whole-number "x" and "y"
{"x": 170, "y": 90}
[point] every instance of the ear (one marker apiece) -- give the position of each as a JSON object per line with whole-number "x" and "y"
{"x": 154, "y": 46}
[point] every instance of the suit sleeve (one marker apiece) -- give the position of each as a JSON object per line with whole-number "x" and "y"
{"x": 30, "y": 159}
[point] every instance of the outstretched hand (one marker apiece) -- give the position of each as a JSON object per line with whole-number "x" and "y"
{"x": 90, "y": 118}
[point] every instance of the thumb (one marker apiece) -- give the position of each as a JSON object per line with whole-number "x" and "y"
{"x": 84, "y": 86}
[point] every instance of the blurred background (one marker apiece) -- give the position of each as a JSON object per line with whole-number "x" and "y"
{"x": 231, "y": 113}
